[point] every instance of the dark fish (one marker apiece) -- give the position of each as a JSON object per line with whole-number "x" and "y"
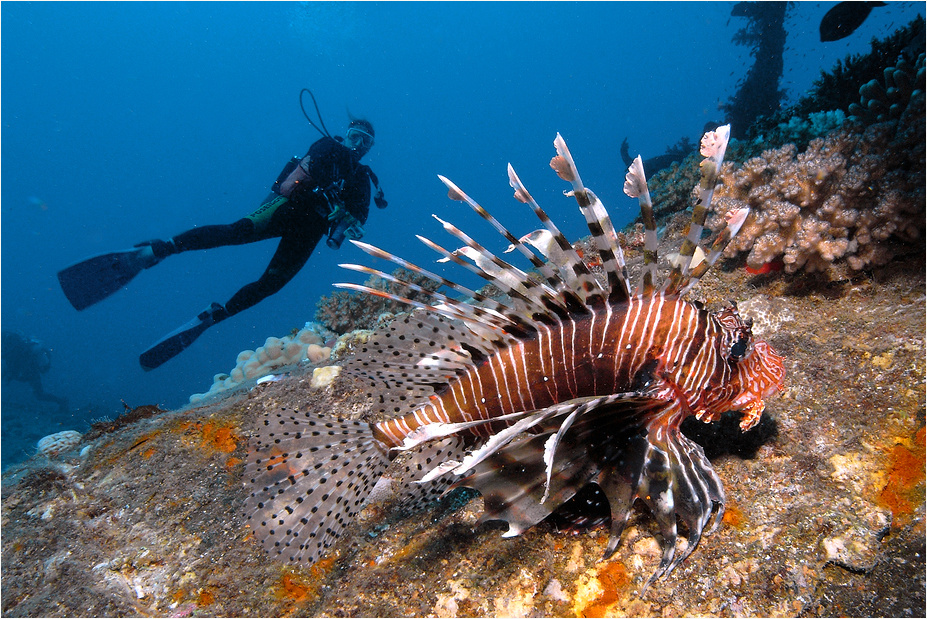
{"x": 844, "y": 18}
{"x": 573, "y": 380}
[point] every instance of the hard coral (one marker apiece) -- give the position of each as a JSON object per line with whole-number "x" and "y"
{"x": 347, "y": 311}
{"x": 53, "y": 444}
{"x": 274, "y": 354}
{"x": 903, "y": 86}
{"x": 852, "y": 195}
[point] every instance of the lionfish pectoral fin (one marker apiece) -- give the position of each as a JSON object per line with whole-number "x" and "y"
{"x": 436, "y": 461}
{"x": 507, "y": 479}
{"x": 619, "y": 483}
{"x": 532, "y": 475}
{"x": 678, "y": 481}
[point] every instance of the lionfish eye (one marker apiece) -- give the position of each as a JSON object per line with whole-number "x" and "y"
{"x": 739, "y": 349}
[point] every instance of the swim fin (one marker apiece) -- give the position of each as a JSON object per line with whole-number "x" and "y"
{"x": 92, "y": 280}
{"x": 177, "y": 341}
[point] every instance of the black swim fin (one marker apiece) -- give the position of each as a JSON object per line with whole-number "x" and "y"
{"x": 177, "y": 341}
{"x": 92, "y": 280}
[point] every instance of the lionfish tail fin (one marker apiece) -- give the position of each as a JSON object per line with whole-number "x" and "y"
{"x": 308, "y": 477}
{"x": 713, "y": 147}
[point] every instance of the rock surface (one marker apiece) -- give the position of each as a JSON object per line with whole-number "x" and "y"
{"x": 825, "y": 510}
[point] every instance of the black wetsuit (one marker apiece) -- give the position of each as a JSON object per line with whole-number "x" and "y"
{"x": 25, "y": 360}
{"x": 298, "y": 219}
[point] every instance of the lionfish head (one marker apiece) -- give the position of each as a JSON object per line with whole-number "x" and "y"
{"x": 758, "y": 372}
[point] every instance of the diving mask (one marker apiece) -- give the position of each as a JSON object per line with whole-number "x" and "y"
{"x": 358, "y": 139}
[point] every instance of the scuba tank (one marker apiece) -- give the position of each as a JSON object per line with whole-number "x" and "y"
{"x": 284, "y": 173}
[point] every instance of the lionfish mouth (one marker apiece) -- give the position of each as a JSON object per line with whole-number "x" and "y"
{"x": 762, "y": 375}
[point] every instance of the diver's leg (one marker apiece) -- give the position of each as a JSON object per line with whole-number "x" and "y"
{"x": 202, "y": 237}
{"x": 255, "y": 227}
{"x": 42, "y": 396}
{"x": 290, "y": 257}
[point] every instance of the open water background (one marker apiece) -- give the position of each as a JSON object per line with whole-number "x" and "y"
{"x": 123, "y": 122}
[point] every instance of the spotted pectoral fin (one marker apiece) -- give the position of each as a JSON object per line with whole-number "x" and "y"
{"x": 531, "y": 476}
{"x": 414, "y": 493}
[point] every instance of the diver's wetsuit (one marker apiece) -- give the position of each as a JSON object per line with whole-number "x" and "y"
{"x": 295, "y": 212}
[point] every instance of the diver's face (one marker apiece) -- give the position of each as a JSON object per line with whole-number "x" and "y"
{"x": 358, "y": 140}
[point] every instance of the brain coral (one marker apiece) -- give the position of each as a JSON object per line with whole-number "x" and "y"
{"x": 53, "y": 444}
{"x": 857, "y": 194}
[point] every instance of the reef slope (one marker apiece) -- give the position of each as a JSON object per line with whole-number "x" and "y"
{"x": 825, "y": 514}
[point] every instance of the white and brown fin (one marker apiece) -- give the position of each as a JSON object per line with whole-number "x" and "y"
{"x": 607, "y": 443}
{"x": 308, "y": 478}
{"x": 557, "y": 249}
{"x": 713, "y": 147}
{"x": 635, "y": 186}
{"x": 598, "y": 221}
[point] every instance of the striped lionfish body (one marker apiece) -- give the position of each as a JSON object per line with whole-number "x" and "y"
{"x": 568, "y": 381}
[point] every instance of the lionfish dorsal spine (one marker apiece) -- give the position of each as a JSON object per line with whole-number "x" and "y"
{"x": 555, "y": 282}
{"x": 635, "y": 186}
{"x": 599, "y": 223}
{"x": 713, "y": 147}
{"x": 501, "y": 310}
{"x": 462, "y": 311}
{"x": 732, "y": 224}
{"x": 573, "y": 271}
{"x": 532, "y": 299}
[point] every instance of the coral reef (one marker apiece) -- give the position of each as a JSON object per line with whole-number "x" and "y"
{"x": 348, "y": 311}
{"x": 273, "y": 355}
{"x": 822, "y": 189}
{"x": 838, "y": 88}
{"x": 901, "y": 94}
{"x": 819, "y": 112}
{"x": 798, "y": 130}
{"x": 852, "y": 195}
{"x": 148, "y": 525}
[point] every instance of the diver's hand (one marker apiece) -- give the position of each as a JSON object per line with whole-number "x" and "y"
{"x": 338, "y": 211}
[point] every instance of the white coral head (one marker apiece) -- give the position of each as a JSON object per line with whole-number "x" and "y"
{"x": 53, "y": 444}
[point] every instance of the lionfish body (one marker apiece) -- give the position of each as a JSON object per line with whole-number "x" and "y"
{"x": 569, "y": 382}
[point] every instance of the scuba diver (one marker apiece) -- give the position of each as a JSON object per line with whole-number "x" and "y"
{"x": 325, "y": 192}
{"x": 25, "y": 360}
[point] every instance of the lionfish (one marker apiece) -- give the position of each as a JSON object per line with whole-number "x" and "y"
{"x": 568, "y": 381}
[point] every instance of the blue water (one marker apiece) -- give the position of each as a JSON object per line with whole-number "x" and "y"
{"x": 129, "y": 121}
